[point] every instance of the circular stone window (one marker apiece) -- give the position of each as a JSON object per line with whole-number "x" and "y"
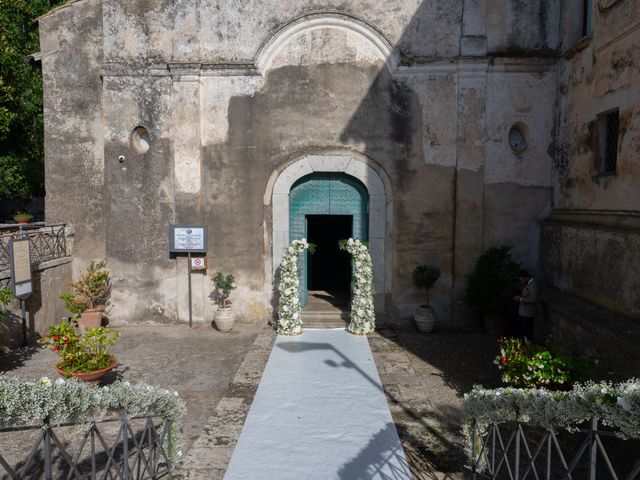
{"x": 140, "y": 141}
{"x": 518, "y": 137}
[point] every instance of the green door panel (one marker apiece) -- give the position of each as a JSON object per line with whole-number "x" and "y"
{"x": 326, "y": 194}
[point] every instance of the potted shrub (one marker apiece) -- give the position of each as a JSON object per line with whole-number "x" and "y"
{"x": 22, "y": 217}
{"x": 489, "y": 287}
{"x": 223, "y": 317}
{"x": 88, "y": 296}
{"x": 85, "y": 356}
{"x": 424, "y": 277}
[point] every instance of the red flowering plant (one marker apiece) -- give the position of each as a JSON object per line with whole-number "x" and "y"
{"x": 529, "y": 365}
{"x": 77, "y": 352}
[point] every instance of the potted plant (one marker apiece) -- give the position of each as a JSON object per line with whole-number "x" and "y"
{"x": 85, "y": 356}
{"x": 223, "y": 317}
{"x": 22, "y": 217}
{"x": 489, "y": 287}
{"x": 424, "y": 277}
{"x": 89, "y": 296}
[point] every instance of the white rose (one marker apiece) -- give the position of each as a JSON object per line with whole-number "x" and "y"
{"x": 44, "y": 381}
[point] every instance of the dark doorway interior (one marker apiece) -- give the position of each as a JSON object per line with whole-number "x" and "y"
{"x": 329, "y": 267}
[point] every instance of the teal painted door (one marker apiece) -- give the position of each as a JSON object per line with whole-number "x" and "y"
{"x": 326, "y": 194}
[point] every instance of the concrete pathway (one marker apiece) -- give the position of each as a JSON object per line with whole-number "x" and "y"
{"x": 319, "y": 413}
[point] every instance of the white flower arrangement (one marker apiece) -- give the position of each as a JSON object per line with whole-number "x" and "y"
{"x": 362, "y": 316}
{"x": 70, "y": 401}
{"x": 289, "y": 319}
{"x": 615, "y": 405}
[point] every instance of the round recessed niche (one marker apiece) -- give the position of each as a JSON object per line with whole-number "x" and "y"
{"x": 140, "y": 140}
{"x": 518, "y": 137}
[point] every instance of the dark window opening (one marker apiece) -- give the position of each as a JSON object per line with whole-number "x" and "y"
{"x": 608, "y": 132}
{"x": 586, "y": 18}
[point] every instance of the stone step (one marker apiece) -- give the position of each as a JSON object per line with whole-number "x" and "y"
{"x": 325, "y": 319}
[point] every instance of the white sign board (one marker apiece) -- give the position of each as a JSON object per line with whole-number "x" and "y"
{"x": 20, "y": 264}
{"x": 188, "y": 239}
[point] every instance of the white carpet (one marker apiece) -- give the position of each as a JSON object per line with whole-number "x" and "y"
{"x": 319, "y": 413}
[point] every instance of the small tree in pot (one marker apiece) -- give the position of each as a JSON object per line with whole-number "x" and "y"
{"x": 223, "y": 317}
{"x": 489, "y": 286}
{"x": 424, "y": 277}
{"x": 89, "y": 296}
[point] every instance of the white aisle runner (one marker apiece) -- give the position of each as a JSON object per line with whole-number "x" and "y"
{"x": 319, "y": 413}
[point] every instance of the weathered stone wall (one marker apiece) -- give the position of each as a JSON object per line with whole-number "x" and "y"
{"x": 594, "y": 255}
{"x": 232, "y": 94}
{"x": 590, "y": 243}
{"x": 71, "y": 43}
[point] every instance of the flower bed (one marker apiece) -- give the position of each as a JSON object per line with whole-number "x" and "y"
{"x": 24, "y": 403}
{"x": 615, "y": 405}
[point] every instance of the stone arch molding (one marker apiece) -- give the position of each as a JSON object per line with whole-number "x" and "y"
{"x": 274, "y": 45}
{"x": 380, "y": 209}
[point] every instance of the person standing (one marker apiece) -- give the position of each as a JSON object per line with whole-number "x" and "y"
{"x": 527, "y": 307}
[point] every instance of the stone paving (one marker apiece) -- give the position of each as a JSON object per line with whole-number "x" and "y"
{"x": 424, "y": 376}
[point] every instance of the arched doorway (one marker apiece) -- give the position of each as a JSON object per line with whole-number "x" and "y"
{"x": 380, "y": 208}
{"x": 325, "y": 208}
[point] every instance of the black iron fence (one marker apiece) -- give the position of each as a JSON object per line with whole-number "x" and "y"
{"x": 121, "y": 448}
{"x": 518, "y": 451}
{"x": 47, "y": 242}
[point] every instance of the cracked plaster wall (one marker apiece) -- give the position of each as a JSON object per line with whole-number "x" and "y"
{"x": 219, "y": 128}
{"x": 588, "y": 243}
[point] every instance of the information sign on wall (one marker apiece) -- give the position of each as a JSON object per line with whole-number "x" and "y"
{"x": 198, "y": 264}
{"x": 188, "y": 239}
{"x": 20, "y": 264}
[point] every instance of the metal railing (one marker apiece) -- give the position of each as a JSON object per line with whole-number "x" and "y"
{"x": 137, "y": 452}
{"x": 518, "y": 451}
{"x": 47, "y": 242}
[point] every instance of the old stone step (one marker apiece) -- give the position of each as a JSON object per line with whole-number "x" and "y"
{"x": 325, "y": 319}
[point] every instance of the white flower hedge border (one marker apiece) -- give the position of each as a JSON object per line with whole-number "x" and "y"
{"x": 25, "y": 403}
{"x": 614, "y": 405}
{"x": 362, "y": 319}
{"x": 289, "y": 320}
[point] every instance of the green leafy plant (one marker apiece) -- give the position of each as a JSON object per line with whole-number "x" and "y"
{"x": 223, "y": 288}
{"x": 22, "y": 215}
{"x": 5, "y": 297}
{"x": 77, "y": 352}
{"x": 425, "y": 276}
{"x": 529, "y": 365}
{"x": 490, "y": 281}
{"x": 93, "y": 289}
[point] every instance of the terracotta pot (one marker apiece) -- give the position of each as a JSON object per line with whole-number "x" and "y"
{"x": 494, "y": 323}
{"x": 91, "y": 378}
{"x": 425, "y": 318}
{"x": 223, "y": 319}
{"x": 91, "y": 318}
{"x": 22, "y": 220}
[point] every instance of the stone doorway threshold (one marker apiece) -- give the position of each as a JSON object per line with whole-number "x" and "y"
{"x": 326, "y": 309}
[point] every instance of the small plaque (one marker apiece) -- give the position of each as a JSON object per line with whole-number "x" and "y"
{"x": 188, "y": 239}
{"x": 20, "y": 264}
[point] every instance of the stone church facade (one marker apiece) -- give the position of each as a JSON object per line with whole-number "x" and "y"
{"x": 443, "y": 115}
